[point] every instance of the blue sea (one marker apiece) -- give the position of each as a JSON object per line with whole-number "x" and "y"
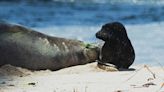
{"x": 81, "y": 19}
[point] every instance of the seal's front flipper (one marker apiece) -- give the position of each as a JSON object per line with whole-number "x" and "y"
{"x": 106, "y": 66}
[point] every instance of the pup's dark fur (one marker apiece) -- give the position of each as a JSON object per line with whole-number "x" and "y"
{"x": 117, "y": 49}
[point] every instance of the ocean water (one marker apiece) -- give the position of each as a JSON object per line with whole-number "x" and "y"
{"x": 81, "y": 19}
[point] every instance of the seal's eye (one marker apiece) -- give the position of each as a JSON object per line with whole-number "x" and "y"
{"x": 106, "y": 28}
{"x": 111, "y": 32}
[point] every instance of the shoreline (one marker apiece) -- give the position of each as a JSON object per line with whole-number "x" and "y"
{"x": 82, "y": 78}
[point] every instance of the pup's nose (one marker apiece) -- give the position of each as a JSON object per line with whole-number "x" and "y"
{"x": 98, "y": 34}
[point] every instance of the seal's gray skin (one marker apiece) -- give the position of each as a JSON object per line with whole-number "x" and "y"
{"x": 117, "y": 49}
{"x": 23, "y": 47}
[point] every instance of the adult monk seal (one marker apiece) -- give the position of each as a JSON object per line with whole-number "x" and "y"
{"x": 23, "y": 47}
{"x": 117, "y": 49}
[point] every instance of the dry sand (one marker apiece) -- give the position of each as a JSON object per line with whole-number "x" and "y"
{"x": 82, "y": 78}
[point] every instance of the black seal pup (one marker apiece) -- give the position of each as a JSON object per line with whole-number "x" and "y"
{"x": 117, "y": 49}
{"x": 23, "y": 47}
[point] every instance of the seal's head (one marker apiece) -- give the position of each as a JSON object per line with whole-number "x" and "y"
{"x": 111, "y": 31}
{"x": 92, "y": 52}
{"x": 117, "y": 50}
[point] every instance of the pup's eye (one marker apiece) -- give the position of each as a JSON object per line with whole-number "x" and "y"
{"x": 106, "y": 28}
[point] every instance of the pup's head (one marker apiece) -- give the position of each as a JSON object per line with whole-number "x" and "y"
{"x": 114, "y": 30}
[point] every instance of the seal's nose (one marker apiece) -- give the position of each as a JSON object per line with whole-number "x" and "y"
{"x": 98, "y": 34}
